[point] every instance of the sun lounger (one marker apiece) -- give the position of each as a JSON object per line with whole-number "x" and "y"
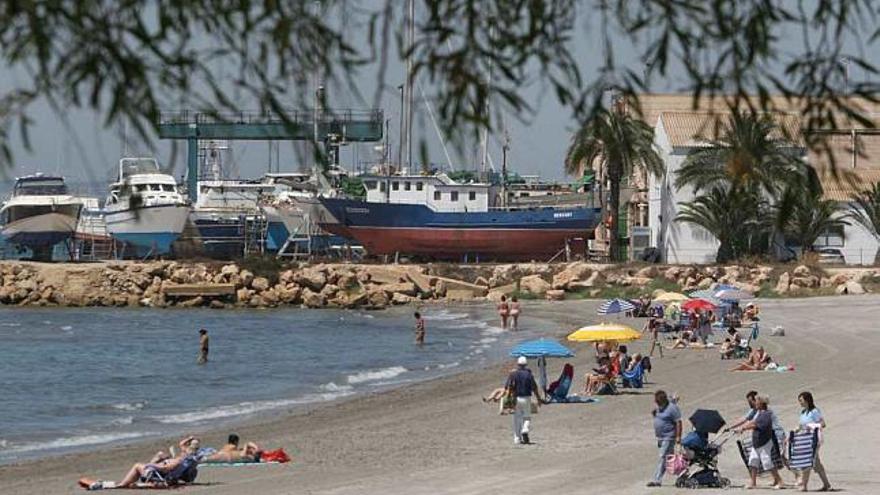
{"x": 634, "y": 378}
{"x": 557, "y": 392}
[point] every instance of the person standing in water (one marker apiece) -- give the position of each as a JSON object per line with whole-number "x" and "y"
{"x": 420, "y": 328}
{"x": 203, "y": 347}
{"x": 514, "y": 312}
{"x": 503, "y": 311}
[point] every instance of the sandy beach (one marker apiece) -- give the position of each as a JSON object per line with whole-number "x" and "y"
{"x": 439, "y": 437}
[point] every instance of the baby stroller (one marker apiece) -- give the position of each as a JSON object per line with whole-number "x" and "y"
{"x": 702, "y": 471}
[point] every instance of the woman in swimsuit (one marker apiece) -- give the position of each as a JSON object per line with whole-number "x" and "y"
{"x": 161, "y": 462}
{"x": 503, "y": 311}
{"x": 514, "y": 312}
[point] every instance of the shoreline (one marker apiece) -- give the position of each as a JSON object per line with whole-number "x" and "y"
{"x": 435, "y": 436}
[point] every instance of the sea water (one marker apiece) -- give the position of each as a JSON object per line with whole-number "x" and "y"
{"x": 75, "y": 379}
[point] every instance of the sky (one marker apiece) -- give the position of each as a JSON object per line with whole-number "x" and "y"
{"x": 78, "y": 145}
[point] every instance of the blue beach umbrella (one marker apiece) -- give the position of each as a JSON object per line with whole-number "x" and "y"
{"x": 541, "y": 349}
{"x": 613, "y": 306}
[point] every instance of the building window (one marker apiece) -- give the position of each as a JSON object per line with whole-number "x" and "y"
{"x": 830, "y": 238}
{"x": 382, "y": 186}
{"x": 453, "y": 196}
{"x": 407, "y": 186}
{"x": 419, "y": 186}
{"x": 370, "y": 185}
{"x": 472, "y": 196}
{"x": 436, "y": 195}
{"x": 395, "y": 186}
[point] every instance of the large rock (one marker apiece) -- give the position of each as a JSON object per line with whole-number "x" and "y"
{"x": 850, "y": 287}
{"x": 648, "y": 272}
{"x": 459, "y": 295}
{"x": 246, "y": 277}
{"x": 399, "y": 298}
{"x": 806, "y": 282}
{"x": 534, "y": 284}
{"x": 672, "y": 273}
{"x": 260, "y": 284}
{"x": 596, "y": 278}
{"x": 229, "y": 270}
{"x": 783, "y": 284}
{"x": 705, "y": 283}
{"x": 313, "y": 299}
{"x": 288, "y": 295}
{"x": 243, "y": 295}
{"x": 452, "y": 284}
{"x": 405, "y": 288}
{"x": 315, "y": 280}
{"x": 377, "y": 298}
{"x": 555, "y": 295}
{"x": 801, "y": 271}
{"x": 572, "y": 273}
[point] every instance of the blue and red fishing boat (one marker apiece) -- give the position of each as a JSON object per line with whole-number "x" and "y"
{"x": 437, "y": 217}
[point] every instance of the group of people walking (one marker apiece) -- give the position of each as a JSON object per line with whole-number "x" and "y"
{"x": 768, "y": 438}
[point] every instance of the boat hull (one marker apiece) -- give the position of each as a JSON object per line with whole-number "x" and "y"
{"x": 40, "y": 231}
{"x": 385, "y": 228}
{"x": 151, "y": 227}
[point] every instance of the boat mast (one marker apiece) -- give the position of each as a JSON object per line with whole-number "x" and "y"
{"x": 504, "y": 149}
{"x": 407, "y": 88}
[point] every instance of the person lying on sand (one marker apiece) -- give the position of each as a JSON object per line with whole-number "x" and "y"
{"x": 686, "y": 339}
{"x": 758, "y": 360}
{"x": 162, "y": 463}
{"x": 231, "y": 452}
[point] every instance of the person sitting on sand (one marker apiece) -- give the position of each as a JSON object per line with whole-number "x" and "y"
{"x": 751, "y": 313}
{"x": 601, "y": 375}
{"x": 683, "y": 341}
{"x": 758, "y": 360}
{"x": 162, "y": 463}
{"x": 634, "y": 361}
{"x": 231, "y": 452}
{"x": 727, "y": 349}
{"x": 503, "y": 311}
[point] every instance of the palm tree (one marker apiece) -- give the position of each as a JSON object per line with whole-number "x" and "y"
{"x": 746, "y": 156}
{"x": 622, "y": 143}
{"x": 736, "y": 217}
{"x": 865, "y": 209}
{"x": 810, "y": 217}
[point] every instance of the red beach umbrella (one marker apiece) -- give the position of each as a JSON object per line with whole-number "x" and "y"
{"x": 698, "y": 304}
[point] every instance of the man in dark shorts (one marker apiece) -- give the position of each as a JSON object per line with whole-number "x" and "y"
{"x": 203, "y": 347}
{"x": 420, "y": 328}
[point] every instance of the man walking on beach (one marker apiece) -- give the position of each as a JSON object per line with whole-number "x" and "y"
{"x": 203, "y": 347}
{"x": 420, "y": 328}
{"x": 522, "y": 384}
{"x": 667, "y": 428}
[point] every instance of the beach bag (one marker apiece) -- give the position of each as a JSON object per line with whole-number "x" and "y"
{"x": 508, "y": 402}
{"x": 533, "y": 406}
{"x": 676, "y": 464}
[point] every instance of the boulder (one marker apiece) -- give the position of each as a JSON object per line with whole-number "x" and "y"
{"x": 288, "y": 295}
{"x": 440, "y": 288}
{"x": 672, "y": 273}
{"x": 257, "y": 301}
{"x": 246, "y": 277}
{"x": 705, "y": 283}
{"x": 243, "y": 295}
{"x": 313, "y": 299}
{"x": 595, "y": 278}
{"x": 405, "y": 288}
{"x": 193, "y": 302}
{"x": 555, "y": 295}
{"x": 260, "y": 284}
{"x": 286, "y": 277}
{"x": 216, "y": 304}
{"x": 534, "y": 284}
{"x": 825, "y": 283}
{"x": 424, "y": 283}
{"x": 329, "y": 291}
{"x": 801, "y": 271}
{"x": 503, "y": 275}
{"x": 806, "y": 282}
{"x": 377, "y": 298}
{"x": 481, "y": 281}
{"x": 313, "y": 279}
{"x": 270, "y": 297}
{"x": 399, "y": 298}
{"x": 648, "y": 272}
{"x": 635, "y": 281}
{"x": 229, "y": 270}
{"x": 572, "y": 273}
{"x": 852, "y": 287}
{"x": 27, "y": 284}
{"x": 839, "y": 279}
{"x": 783, "y": 284}
{"x": 459, "y": 295}
{"x": 452, "y": 284}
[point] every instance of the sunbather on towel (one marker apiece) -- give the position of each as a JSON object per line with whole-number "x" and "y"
{"x": 161, "y": 462}
{"x": 687, "y": 337}
{"x": 757, "y": 361}
{"x": 231, "y": 452}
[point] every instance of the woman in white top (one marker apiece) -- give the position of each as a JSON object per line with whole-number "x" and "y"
{"x": 811, "y": 417}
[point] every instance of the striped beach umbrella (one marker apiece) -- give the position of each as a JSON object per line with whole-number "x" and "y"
{"x": 613, "y": 306}
{"x": 733, "y": 294}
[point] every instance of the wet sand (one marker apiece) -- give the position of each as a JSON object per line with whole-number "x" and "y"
{"x": 439, "y": 437}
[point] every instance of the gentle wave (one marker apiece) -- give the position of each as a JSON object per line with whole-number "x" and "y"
{"x": 123, "y": 421}
{"x": 333, "y": 387}
{"x": 446, "y": 315}
{"x": 80, "y": 441}
{"x": 246, "y": 408}
{"x": 130, "y": 406}
{"x": 369, "y": 376}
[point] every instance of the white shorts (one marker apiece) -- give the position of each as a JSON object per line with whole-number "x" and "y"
{"x": 761, "y": 457}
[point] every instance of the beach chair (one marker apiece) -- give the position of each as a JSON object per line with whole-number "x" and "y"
{"x": 745, "y": 447}
{"x": 185, "y": 472}
{"x": 802, "y": 445}
{"x": 634, "y": 378}
{"x": 558, "y": 390}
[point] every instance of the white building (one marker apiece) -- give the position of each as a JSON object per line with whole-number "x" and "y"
{"x": 679, "y": 130}
{"x": 438, "y": 192}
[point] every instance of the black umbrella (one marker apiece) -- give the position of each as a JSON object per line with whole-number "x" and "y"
{"x": 707, "y": 420}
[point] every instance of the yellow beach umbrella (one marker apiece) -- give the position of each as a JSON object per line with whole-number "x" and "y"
{"x": 605, "y": 332}
{"x": 668, "y": 297}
